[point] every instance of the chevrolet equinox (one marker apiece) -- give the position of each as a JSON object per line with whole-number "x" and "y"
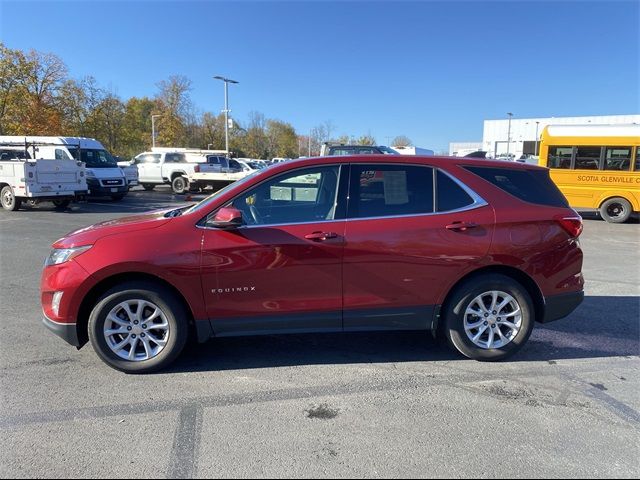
{"x": 476, "y": 250}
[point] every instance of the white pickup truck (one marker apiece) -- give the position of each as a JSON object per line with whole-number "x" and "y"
{"x": 25, "y": 179}
{"x": 159, "y": 168}
{"x": 219, "y": 171}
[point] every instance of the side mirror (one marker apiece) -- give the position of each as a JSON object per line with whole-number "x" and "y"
{"x": 227, "y": 217}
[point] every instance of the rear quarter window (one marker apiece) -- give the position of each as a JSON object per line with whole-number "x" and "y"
{"x": 533, "y": 186}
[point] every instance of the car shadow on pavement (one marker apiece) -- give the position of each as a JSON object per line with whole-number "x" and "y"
{"x": 600, "y": 327}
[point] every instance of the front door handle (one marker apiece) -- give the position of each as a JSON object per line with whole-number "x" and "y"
{"x": 320, "y": 236}
{"x": 461, "y": 226}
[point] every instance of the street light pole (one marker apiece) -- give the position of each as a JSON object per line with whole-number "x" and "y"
{"x": 226, "y": 110}
{"x": 153, "y": 130}
{"x": 535, "y": 152}
{"x": 509, "y": 135}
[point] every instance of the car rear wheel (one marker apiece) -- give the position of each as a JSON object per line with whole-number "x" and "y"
{"x": 9, "y": 200}
{"x": 616, "y": 210}
{"x": 148, "y": 186}
{"x": 489, "y": 317}
{"x": 138, "y": 327}
{"x": 179, "y": 185}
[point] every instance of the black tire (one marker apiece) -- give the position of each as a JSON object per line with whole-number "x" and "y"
{"x": 148, "y": 186}
{"x": 61, "y": 204}
{"x": 9, "y": 200}
{"x": 180, "y": 185}
{"x": 616, "y": 210}
{"x": 117, "y": 198}
{"x": 165, "y": 300}
{"x": 463, "y": 297}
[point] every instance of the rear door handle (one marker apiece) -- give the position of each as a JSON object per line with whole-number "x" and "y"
{"x": 320, "y": 236}
{"x": 461, "y": 226}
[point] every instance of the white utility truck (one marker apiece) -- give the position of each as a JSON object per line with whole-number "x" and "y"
{"x": 23, "y": 178}
{"x": 104, "y": 177}
{"x": 172, "y": 166}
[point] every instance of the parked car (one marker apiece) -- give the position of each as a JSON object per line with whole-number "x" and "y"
{"x": 329, "y": 149}
{"x": 476, "y": 249}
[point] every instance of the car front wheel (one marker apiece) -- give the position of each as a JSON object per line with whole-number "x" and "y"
{"x": 489, "y": 317}
{"x": 138, "y": 327}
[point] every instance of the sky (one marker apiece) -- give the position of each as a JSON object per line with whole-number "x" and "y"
{"x": 432, "y": 71}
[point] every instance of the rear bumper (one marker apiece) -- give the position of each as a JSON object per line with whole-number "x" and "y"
{"x": 559, "y": 306}
{"x": 67, "y": 331}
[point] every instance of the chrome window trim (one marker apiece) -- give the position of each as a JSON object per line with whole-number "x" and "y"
{"x": 478, "y": 202}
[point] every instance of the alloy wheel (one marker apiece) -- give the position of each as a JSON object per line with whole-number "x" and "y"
{"x": 492, "y": 319}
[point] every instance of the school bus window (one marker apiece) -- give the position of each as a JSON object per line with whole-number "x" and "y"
{"x": 560, "y": 157}
{"x": 617, "y": 158}
{"x": 636, "y": 166}
{"x": 588, "y": 158}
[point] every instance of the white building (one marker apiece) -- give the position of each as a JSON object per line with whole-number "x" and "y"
{"x": 526, "y": 131}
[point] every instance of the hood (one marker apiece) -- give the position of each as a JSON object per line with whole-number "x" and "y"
{"x": 89, "y": 235}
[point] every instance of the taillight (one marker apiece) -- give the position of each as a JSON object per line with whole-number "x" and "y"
{"x": 196, "y": 168}
{"x": 572, "y": 224}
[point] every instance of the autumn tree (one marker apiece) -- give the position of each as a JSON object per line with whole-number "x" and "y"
{"x": 175, "y": 105}
{"x": 402, "y": 141}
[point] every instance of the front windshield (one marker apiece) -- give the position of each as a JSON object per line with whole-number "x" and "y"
{"x": 95, "y": 158}
{"x": 207, "y": 201}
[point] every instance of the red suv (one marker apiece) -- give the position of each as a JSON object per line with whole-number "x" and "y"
{"x": 475, "y": 249}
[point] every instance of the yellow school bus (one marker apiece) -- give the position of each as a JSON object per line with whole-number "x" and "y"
{"x": 595, "y": 166}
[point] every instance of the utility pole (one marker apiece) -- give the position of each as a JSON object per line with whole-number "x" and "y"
{"x": 535, "y": 152}
{"x": 509, "y": 135}
{"x": 226, "y": 110}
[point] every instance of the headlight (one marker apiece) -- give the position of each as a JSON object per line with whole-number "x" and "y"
{"x": 61, "y": 255}
{"x": 90, "y": 174}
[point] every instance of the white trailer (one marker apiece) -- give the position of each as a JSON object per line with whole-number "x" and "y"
{"x": 26, "y": 179}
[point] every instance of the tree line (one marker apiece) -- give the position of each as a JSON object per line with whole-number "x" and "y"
{"x": 38, "y": 97}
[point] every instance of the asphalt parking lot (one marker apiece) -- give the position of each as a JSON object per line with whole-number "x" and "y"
{"x": 352, "y": 405}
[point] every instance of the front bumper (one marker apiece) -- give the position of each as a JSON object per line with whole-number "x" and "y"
{"x": 96, "y": 189}
{"x": 559, "y": 306}
{"x": 67, "y": 331}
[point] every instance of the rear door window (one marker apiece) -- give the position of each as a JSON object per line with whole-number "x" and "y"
{"x": 533, "y": 186}
{"x": 390, "y": 190}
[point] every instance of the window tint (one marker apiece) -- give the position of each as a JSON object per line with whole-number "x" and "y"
{"x": 301, "y": 196}
{"x": 587, "y": 158}
{"x": 451, "y": 196}
{"x": 636, "y": 165}
{"x": 617, "y": 158}
{"x": 560, "y": 157}
{"x": 389, "y": 190}
{"x": 533, "y": 186}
